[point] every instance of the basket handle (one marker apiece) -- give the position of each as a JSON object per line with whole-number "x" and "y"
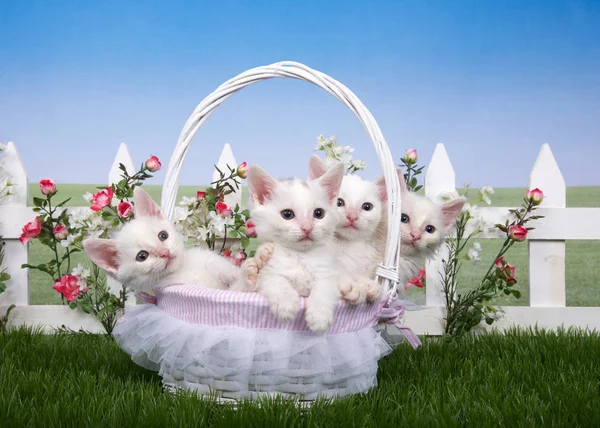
{"x": 389, "y": 270}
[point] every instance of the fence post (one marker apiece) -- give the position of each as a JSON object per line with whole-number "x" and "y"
{"x": 547, "y": 258}
{"x": 439, "y": 178}
{"x": 114, "y": 176}
{"x": 16, "y": 254}
{"x": 225, "y": 159}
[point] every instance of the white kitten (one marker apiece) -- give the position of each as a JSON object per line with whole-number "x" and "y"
{"x": 298, "y": 219}
{"x": 360, "y": 205}
{"x": 424, "y": 226}
{"x": 361, "y": 234}
{"x": 148, "y": 253}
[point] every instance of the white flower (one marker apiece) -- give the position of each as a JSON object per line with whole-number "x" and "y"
{"x": 81, "y": 272}
{"x": 186, "y": 202}
{"x": 202, "y": 233}
{"x": 477, "y": 246}
{"x": 473, "y": 255}
{"x": 70, "y": 240}
{"x": 484, "y": 193}
{"x": 448, "y": 196}
{"x": 87, "y": 196}
{"x": 180, "y": 214}
{"x": 320, "y": 143}
{"x": 359, "y": 164}
{"x": 487, "y": 190}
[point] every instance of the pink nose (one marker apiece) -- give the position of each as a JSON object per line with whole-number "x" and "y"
{"x": 415, "y": 236}
{"x": 163, "y": 253}
{"x": 307, "y": 229}
{"x": 351, "y": 217}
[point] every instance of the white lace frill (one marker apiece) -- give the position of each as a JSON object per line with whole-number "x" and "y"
{"x": 236, "y": 362}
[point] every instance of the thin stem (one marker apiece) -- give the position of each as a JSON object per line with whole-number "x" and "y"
{"x": 54, "y": 247}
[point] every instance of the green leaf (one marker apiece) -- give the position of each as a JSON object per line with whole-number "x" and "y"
{"x": 516, "y": 293}
{"x": 63, "y": 203}
{"x": 39, "y": 202}
{"x": 233, "y": 234}
{"x": 73, "y": 305}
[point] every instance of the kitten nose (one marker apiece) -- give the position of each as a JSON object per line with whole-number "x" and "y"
{"x": 306, "y": 228}
{"x": 415, "y": 236}
{"x": 352, "y": 217}
{"x": 163, "y": 253}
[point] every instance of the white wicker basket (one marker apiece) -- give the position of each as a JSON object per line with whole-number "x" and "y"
{"x": 182, "y": 355}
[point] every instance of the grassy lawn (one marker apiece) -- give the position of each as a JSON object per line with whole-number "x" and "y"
{"x": 582, "y": 271}
{"x": 521, "y": 379}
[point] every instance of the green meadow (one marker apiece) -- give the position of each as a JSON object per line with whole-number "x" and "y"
{"x": 582, "y": 257}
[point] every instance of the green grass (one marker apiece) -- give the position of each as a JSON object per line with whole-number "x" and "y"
{"x": 582, "y": 270}
{"x": 521, "y": 379}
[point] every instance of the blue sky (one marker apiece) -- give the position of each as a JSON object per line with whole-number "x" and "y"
{"x": 493, "y": 80}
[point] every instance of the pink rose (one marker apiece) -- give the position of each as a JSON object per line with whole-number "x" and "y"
{"x": 511, "y": 280}
{"x": 153, "y": 164}
{"x": 47, "y": 187}
{"x": 60, "y": 232}
{"x": 505, "y": 270}
{"x": 31, "y": 230}
{"x": 70, "y": 287}
{"x": 102, "y": 199}
{"x": 535, "y": 196}
{"x": 242, "y": 170}
{"x": 200, "y": 195}
{"x": 223, "y": 209}
{"x": 125, "y": 209}
{"x": 516, "y": 232}
{"x": 417, "y": 281}
{"x": 411, "y": 156}
{"x": 250, "y": 229}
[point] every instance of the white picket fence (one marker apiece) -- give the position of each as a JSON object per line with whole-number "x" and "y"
{"x": 546, "y": 245}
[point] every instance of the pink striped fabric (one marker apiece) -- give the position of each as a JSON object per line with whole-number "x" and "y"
{"x": 222, "y": 308}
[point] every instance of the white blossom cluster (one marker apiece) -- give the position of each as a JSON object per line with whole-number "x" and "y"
{"x": 89, "y": 224}
{"x": 198, "y": 223}
{"x": 476, "y": 218}
{"x": 335, "y": 153}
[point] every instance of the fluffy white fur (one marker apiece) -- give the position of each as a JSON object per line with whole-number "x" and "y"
{"x": 302, "y": 261}
{"x": 167, "y": 262}
{"x": 424, "y": 226}
{"x": 361, "y": 205}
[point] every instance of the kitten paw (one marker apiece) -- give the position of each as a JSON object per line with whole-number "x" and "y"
{"x": 353, "y": 292}
{"x": 373, "y": 291}
{"x": 250, "y": 268}
{"x": 319, "y": 321}
{"x": 263, "y": 255}
{"x": 286, "y": 310}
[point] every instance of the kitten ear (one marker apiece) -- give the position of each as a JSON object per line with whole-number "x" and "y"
{"x": 451, "y": 210}
{"x": 102, "y": 252}
{"x": 403, "y": 187}
{"x": 381, "y": 189}
{"x": 145, "y": 206}
{"x": 332, "y": 180}
{"x": 260, "y": 184}
{"x": 316, "y": 167}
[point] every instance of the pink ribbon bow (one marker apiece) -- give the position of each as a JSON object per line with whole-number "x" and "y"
{"x": 392, "y": 314}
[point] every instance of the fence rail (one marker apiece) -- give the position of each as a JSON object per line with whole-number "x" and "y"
{"x": 546, "y": 248}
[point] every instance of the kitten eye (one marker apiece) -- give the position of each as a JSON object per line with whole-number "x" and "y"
{"x": 287, "y": 214}
{"x": 404, "y": 218}
{"x": 430, "y": 229}
{"x": 367, "y": 206}
{"x": 163, "y": 235}
{"x": 142, "y": 256}
{"x": 340, "y": 202}
{"x": 319, "y": 213}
